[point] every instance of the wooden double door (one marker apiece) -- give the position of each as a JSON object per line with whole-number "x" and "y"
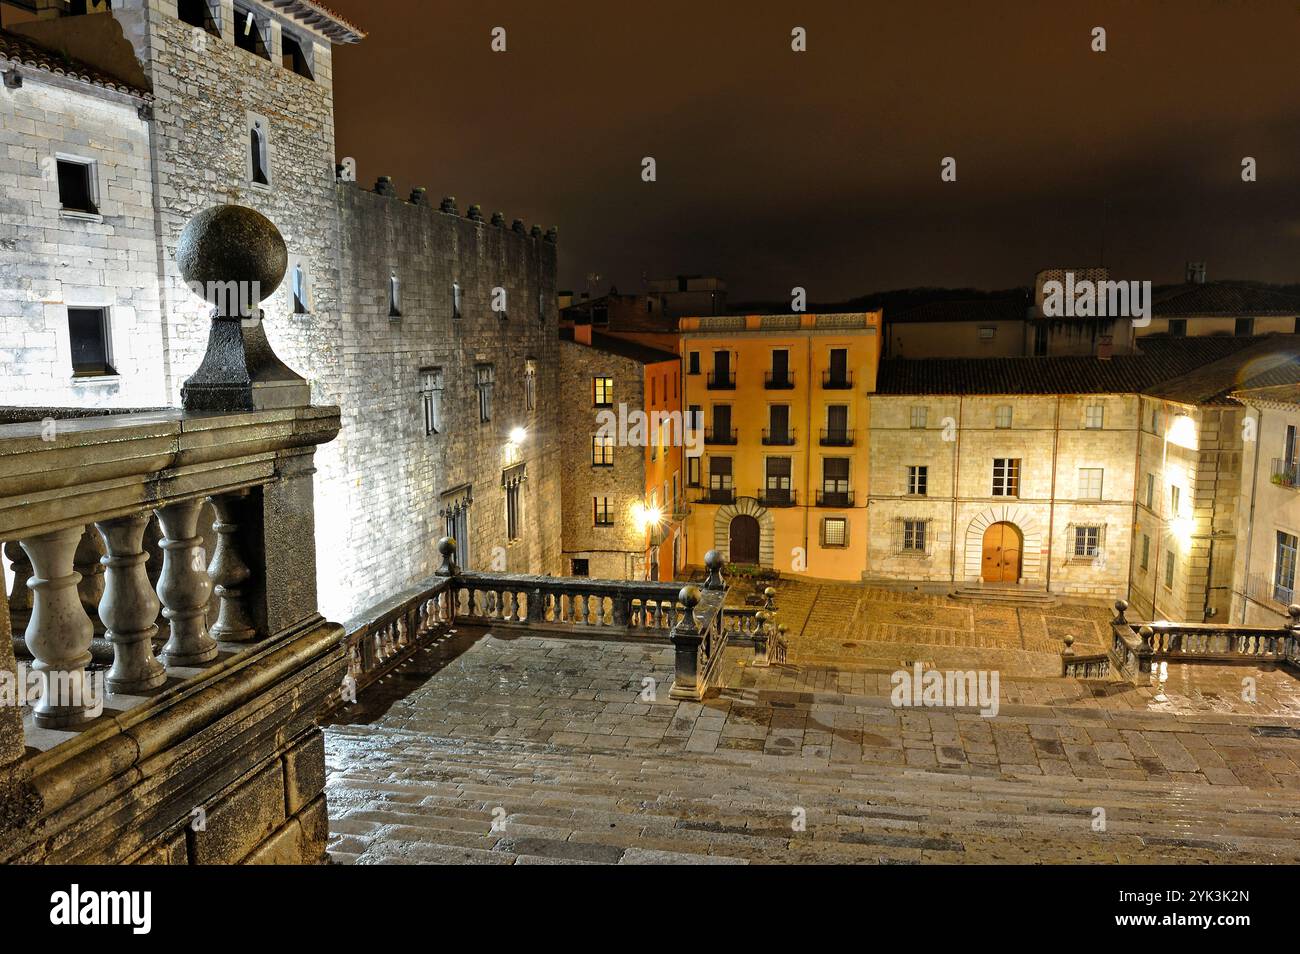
{"x": 744, "y": 539}
{"x": 1003, "y": 546}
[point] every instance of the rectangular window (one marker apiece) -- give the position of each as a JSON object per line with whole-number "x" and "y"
{"x": 1151, "y": 491}
{"x": 1090, "y": 479}
{"x": 1002, "y": 417}
{"x": 720, "y": 473}
{"x": 1175, "y": 498}
{"x": 835, "y": 477}
{"x": 1006, "y": 477}
{"x": 512, "y": 511}
{"x": 914, "y": 535}
{"x": 197, "y": 13}
{"x": 294, "y": 56}
{"x": 579, "y": 567}
{"x": 1284, "y": 568}
{"x": 602, "y": 392}
{"x": 1178, "y": 327}
{"x": 77, "y": 192}
{"x": 919, "y": 415}
{"x": 916, "y": 480}
{"x": 1093, "y": 416}
{"x": 693, "y": 363}
{"x": 1289, "y": 448}
{"x": 1146, "y": 552}
{"x": 1169, "y": 571}
{"x": 250, "y": 32}
{"x": 485, "y": 380}
{"x": 1087, "y": 541}
{"x": 1244, "y": 326}
{"x": 602, "y": 451}
{"x": 835, "y": 531}
{"x": 987, "y": 333}
{"x": 837, "y": 375}
{"x": 89, "y": 341}
{"x": 603, "y": 510}
{"x": 777, "y": 474}
{"x": 431, "y": 399}
{"x": 692, "y": 471}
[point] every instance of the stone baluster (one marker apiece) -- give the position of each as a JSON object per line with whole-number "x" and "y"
{"x": 185, "y": 586}
{"x": 129, "y": 607}
{"x": 622, "y": 609}
{"x": 536, "y": 605}
{"x": 86, "y": 561}
{"x": 713, "y": 562}
{"x": 229, "y": 571}
{"x": 20, "y": 597}
{"x": 580, "y": 609}
{"x": 686, "y": 639}
{"x": 760, "y": 637}
{"x": 59, "y": 631}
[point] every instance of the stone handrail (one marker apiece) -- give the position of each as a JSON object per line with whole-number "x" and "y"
{"x": 78, "y": 496}
{"x": 566, "y": 603}
{"x": 386, "y": 635}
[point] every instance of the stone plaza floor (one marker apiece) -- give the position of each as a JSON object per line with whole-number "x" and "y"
{"x": 508, "y": 747}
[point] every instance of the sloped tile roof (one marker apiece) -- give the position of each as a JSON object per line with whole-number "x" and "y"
{"x": 1225, "y": 299}
{"x": 322, "y": 18}
{"x": 1159, "y": 360}
{"x": 1272, "y": 360}
{"x": 623, "y": 347}
{"x": 23, "y": 52}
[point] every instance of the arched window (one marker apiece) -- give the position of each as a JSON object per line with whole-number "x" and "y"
{"x": 455, "y": 300}
{"x": 394, "y": 296}
{"x": 299, "y": 285}
{"x": 258, "y": 153}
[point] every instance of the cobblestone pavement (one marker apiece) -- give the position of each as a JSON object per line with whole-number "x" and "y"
{"x": 838, "y": 623}
{"x": 503, "y": 748}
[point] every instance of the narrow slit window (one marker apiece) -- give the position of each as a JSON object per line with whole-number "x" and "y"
{"x": 394, "y": 296}
{"x": 258, "y": 154}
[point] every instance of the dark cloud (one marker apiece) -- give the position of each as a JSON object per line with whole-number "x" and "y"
{"x": 822, "y": 169}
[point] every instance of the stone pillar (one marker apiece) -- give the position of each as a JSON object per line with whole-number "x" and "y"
{"x": 686, "y": 638}
{"x": 185, "y": 586}
{"x": 59, "y": 631}
{"x": 228, "y": 569}
{"x": 129, "y": 607}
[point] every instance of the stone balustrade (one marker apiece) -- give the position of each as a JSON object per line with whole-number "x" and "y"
{"x": 385, "y": 636}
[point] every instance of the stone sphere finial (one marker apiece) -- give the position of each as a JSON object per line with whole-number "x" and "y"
{"x": 1069, "y": 644}
{"x": 1294, "y": 612}
{"x": 1145, "y": 631}
{"x": 1121, "y": 606}
{"x": 446, "y": 546}
{"x": 770, "y": 592}
{"x": 689, "y": 595}
{"x": 232, "y": 243}
{"x": 713, "y": 560}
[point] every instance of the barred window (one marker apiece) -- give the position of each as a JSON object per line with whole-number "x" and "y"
{"x": 914, "y": 535}
{"x": 1087, "y": 541}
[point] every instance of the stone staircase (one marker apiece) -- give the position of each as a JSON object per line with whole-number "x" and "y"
{"x": 403, "y": 795}
{"x": 1004, "y": 594}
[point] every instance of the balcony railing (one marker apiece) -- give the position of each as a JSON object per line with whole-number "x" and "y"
{"x": 837, "y": 437}
{"x": 1264, "y": 589}
{"x": 1286, "y": 473}
{"x": 717, "y": 495}
{"x": 778, "y": 438}
{"x": 776, "y": 497}
{"x": 837, "y": 380}
{"x": 722, "y": 381}
{"x": 778, "y": 380}
{"x": 719, "y": 435}
{"x": 835, "y": 498}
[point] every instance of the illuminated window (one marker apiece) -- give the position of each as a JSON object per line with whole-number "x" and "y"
{"x": 1002, "y": 416}
{"x": 1090, "y": 479}
{"x": 1093, "y": 416}
{"x": 603, "y": 511}
{"x": 602, "y": 392}
{"x": 835, "y": 531}
{"x": 919, "y": 415}
{"x": 914, "y": 535}
{"x": 1006, "y": 477}
{"x": 916, "y": 480}
{"x": 602, "y": 451}
{"x": 1087, "y": 541}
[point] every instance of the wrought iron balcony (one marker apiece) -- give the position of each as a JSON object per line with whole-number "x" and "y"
{"x": 835, "y": 498}
{"x": 778, "y": 380}
{"x": 837, "y": 380}
{"x": 1286, "y": 473}
{"x": 719, "y": 435}
{"x": 778, "y": 438}
{"x": 777, "y": 497}
{"x": 837, "y": 437}
{"x": 722, "y": 381}
{"x": 717, "y": 495}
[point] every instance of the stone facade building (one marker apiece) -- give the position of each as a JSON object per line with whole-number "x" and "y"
{"x": 175, "y": 107}
{"x": 623, "y": 499}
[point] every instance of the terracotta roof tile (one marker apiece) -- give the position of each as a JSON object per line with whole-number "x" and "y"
{"x": 25, "y": 53}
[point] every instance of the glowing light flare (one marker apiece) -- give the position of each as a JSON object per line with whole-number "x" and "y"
{"x": 518, "y": 435}
{"x": 1182, "y": 432}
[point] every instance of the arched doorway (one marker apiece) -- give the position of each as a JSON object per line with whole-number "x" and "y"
{"x": 743, "y": 539}
{"x": 1003, "y": 545}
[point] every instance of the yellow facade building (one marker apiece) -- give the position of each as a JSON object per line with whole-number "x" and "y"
{"x": 782, "y": 478}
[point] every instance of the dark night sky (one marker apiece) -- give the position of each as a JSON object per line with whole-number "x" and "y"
{"x": 821, "y": 169}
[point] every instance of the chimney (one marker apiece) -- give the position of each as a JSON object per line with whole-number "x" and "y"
{"x": 1196, "y": 273}
{"x": 582, "y": 334}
